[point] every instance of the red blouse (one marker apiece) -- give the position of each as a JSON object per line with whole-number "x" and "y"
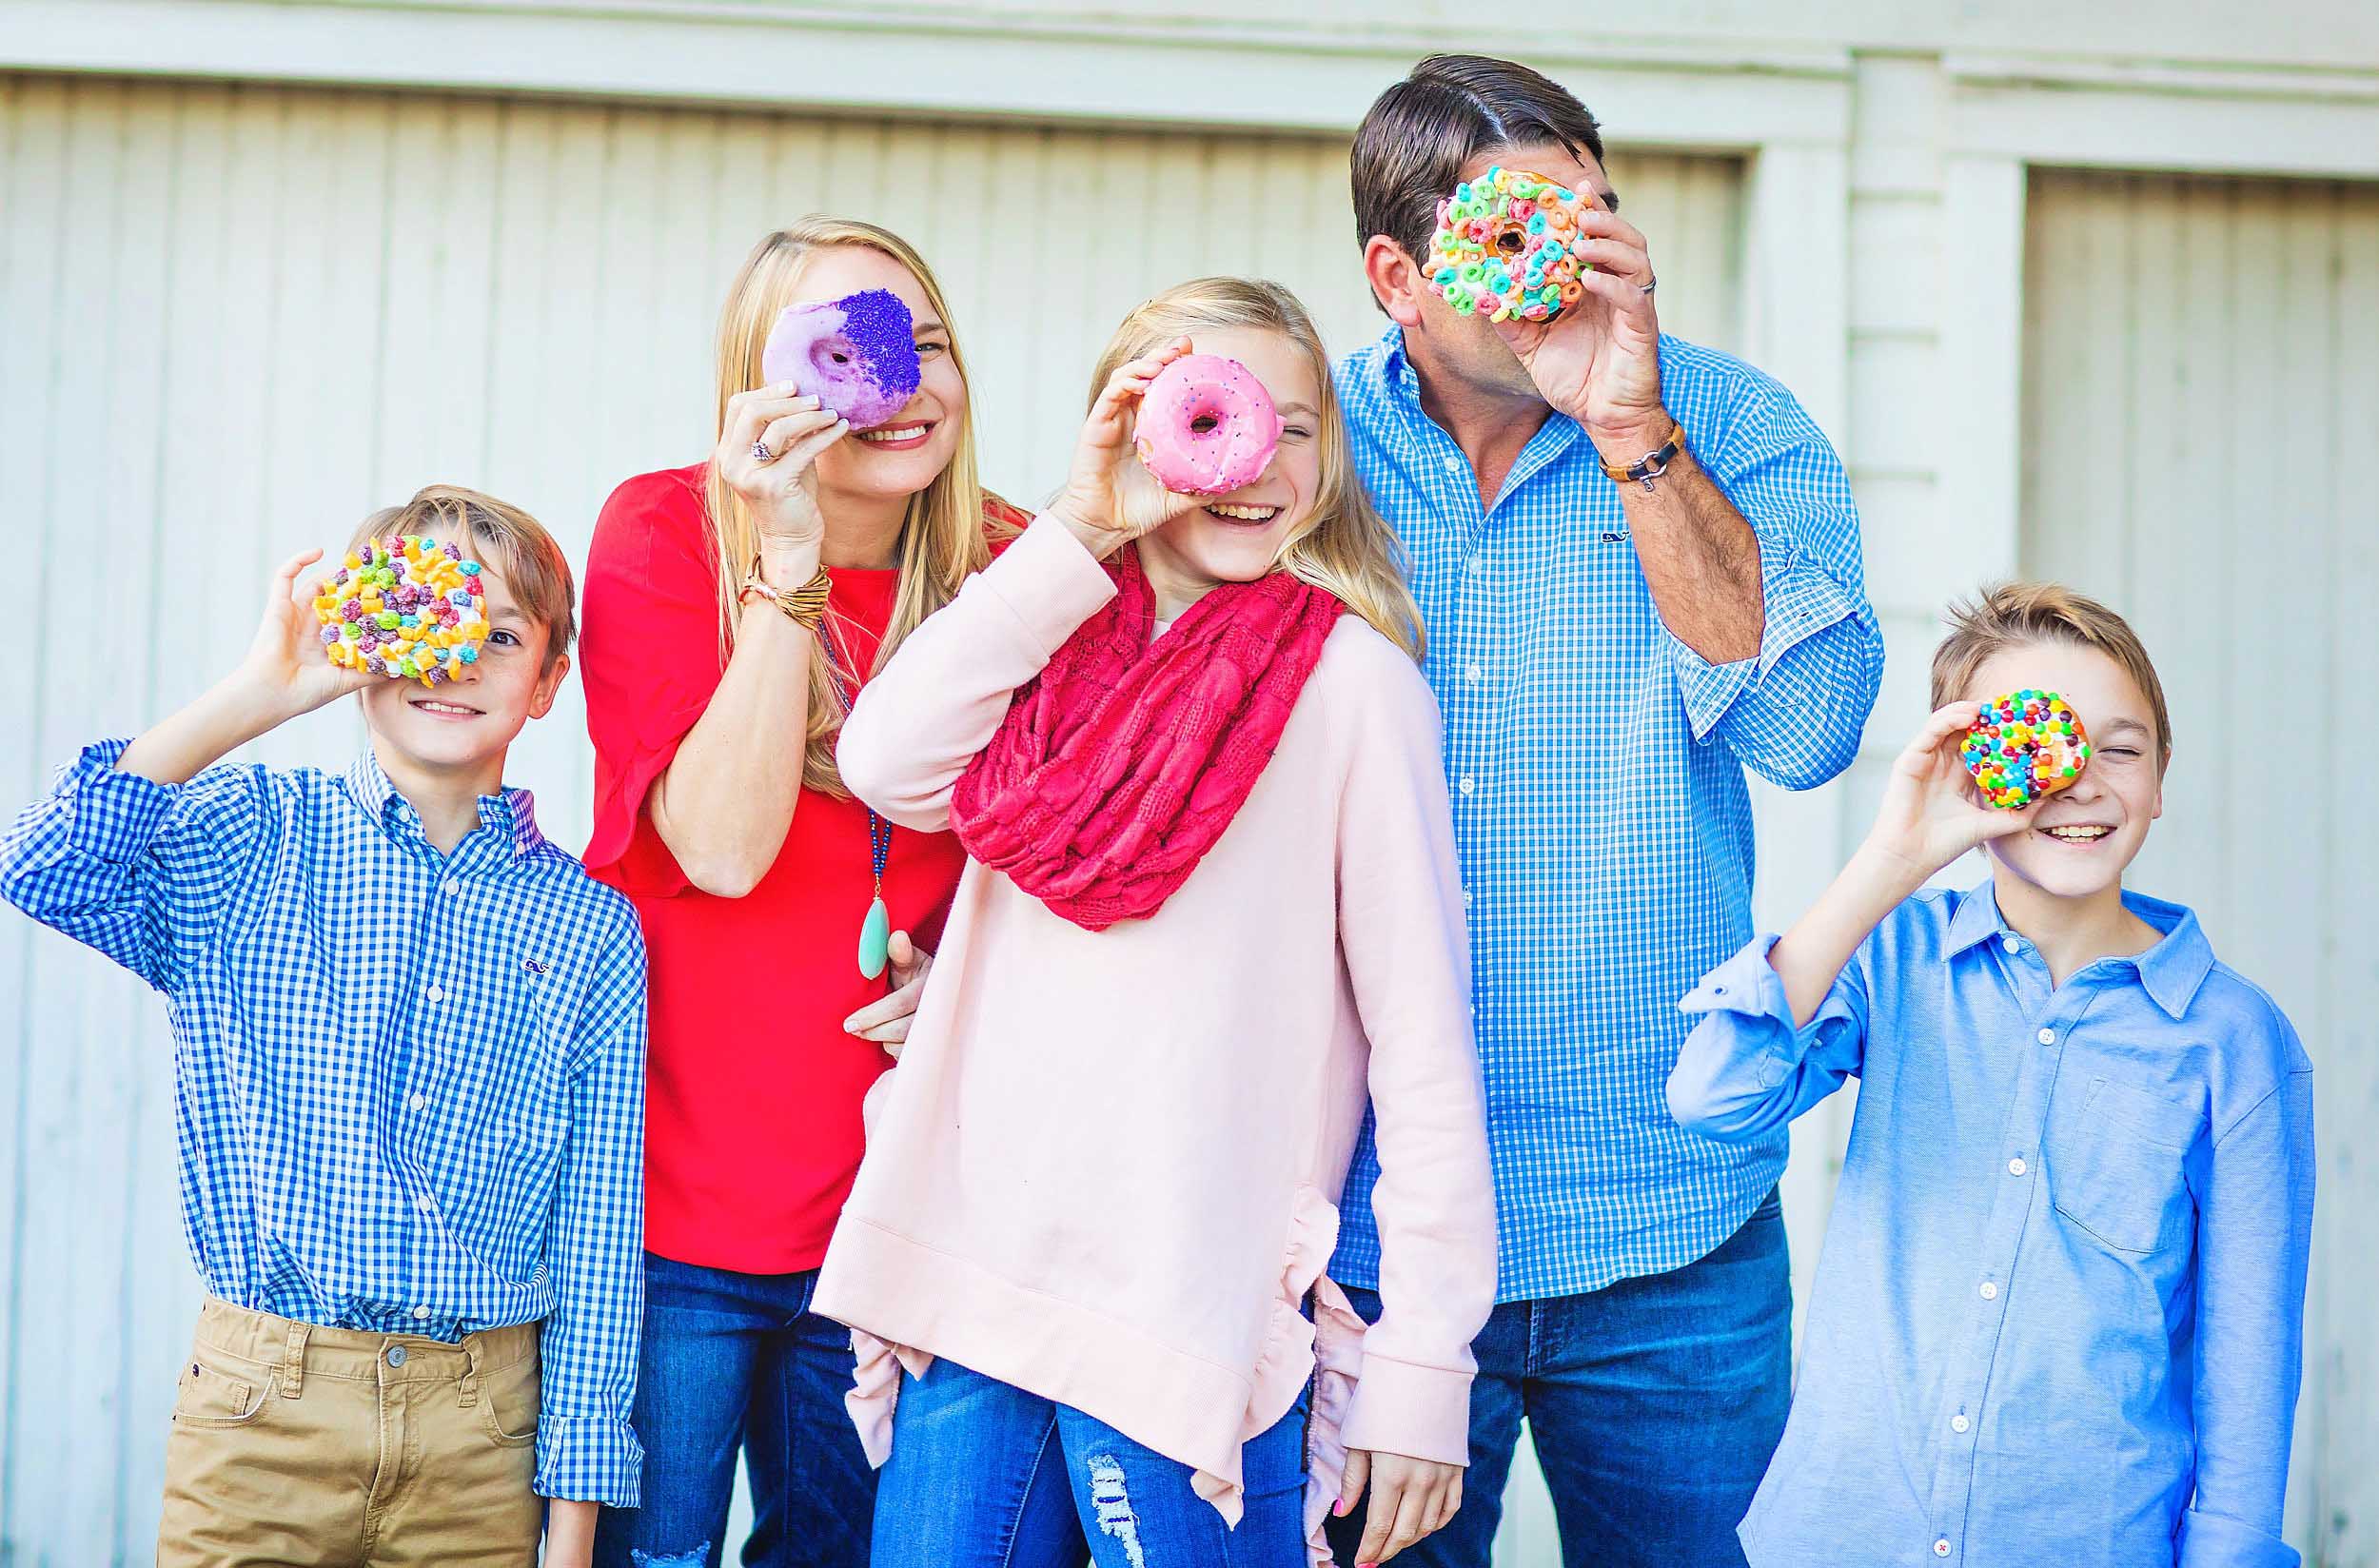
{"x": 753, "y": 1090}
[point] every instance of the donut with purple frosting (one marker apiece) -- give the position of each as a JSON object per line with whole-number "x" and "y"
{"x": 856, "y": 354}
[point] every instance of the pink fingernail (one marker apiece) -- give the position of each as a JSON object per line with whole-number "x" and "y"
{"x": 1338, "y": 1508}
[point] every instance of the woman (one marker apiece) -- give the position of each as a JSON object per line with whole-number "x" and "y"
{"x": 714, "y": 692}
{"x": 1211, "y": 902}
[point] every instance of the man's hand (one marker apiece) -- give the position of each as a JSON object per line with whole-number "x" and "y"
{"x": 1409, "y": 1499}
{"x": 887, "y": 1022}
{"x": 570, "y": 1533}
{"x": 1599, "y": 361}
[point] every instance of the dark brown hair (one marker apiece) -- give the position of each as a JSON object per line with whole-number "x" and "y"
{"x": 2009, "y": 615}
{"x": 1416, "y": 137}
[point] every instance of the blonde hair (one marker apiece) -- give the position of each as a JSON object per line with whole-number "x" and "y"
{"x": 1345, "y": 548}
{"x": 535, "y": 570}
{"x": 942, "y": 538}
{"x": 2011, "y": 615}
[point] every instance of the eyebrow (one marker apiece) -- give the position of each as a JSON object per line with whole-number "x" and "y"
{"x": 1306, "y": 409}
{"x": 1610, "y": 199}
{"x": 2122, "y": 726}
{"x": 929, "y": 325}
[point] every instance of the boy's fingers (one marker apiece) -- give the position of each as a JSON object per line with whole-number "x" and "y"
{"x": 285, "y": 581}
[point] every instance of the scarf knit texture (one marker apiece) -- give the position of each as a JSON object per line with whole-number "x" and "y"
{"x": 1122, "y": 763}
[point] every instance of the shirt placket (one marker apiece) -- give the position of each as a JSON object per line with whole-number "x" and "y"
{"x": 2048, "y": 1017}
{"x": 431, "y": 885}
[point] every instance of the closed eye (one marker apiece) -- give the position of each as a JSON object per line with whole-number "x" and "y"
{"x": 1297, "y": 430}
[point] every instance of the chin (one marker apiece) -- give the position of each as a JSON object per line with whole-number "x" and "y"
{"x": 2067, "y": 872}
{"x": 877, "y": 470}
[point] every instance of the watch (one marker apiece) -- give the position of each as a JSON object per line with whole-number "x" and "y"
{"x": 1654, "y": 462}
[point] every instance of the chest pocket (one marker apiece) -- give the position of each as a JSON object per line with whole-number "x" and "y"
{"x": 2114, "y": 1163}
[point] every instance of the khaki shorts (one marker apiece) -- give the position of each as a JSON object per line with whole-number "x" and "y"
{"x": 297, "y": 1446}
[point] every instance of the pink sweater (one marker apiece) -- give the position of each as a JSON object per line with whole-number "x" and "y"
{"x": 1106, "y": 1169}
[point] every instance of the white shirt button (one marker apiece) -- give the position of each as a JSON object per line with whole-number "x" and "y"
{"x": 1477, "y": 564}
{"x": 450, "y": 887}
{"x": 2011, "y": 945}
{"x": 1466, "y": 898}
{"x": 2048, "y": 1037}
{"x": 1476, "y": 673}
{"x": 1468, "y": 785}
{"x": 1941, "y": 1547}
{"x": 1453, "y": 466}
{"x": 1959, "y": 1424}
{"x": 426, "y": 1204}
{"x": 2016, "y": 1166}
{"x": 421, "y": 1313}
{"x": 1989, "y": 1291}
{"x": 418, "y": 1100}
{"x": 436, "y": 993}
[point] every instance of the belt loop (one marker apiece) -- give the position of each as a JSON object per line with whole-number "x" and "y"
{"x": 470, "y": 1373}
{"x": 293, "y": 1362}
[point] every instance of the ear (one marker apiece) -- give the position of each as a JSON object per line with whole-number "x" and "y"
{"x": 2167, "y": 768}
{"x": 548, "y": 687}
{"x": 1395, "y": 280}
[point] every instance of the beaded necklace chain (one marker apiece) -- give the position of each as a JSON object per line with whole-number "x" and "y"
{"x": 876, "y": 930}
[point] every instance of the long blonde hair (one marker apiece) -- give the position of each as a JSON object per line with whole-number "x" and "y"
{"x": 1345, "y": 548}
{"x": 942, "y": 538}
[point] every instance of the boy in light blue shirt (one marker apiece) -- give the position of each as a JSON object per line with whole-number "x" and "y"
{"x": 2059, "y": 1314}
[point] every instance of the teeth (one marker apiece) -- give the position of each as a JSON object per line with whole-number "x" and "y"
{"x": 446, "y": 708}
{"x": 2078, "y": 835}
{"x": 907, "y": 432}
{"x": 1245, "y": 514}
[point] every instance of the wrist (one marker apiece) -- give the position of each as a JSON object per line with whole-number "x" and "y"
{"x": 1625, "y": 438}
{"x": 1100, "y": 542}
{"x": 251, "y": 701}
{"x": 1889, "y": 870}
{"x": 785, "y": 566}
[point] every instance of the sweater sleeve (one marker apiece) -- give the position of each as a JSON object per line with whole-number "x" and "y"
{"x": 922, "y": 718}
{"x": 1406, "y": 947}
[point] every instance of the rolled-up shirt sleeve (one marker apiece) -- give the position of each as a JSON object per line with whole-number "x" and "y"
{"x": 1744, "y": 1068}
{"x": 1791, "y": 713}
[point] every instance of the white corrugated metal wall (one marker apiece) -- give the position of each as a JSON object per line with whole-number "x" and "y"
{"x": 234, "y": 319}
{"x": 2201, "y": 438}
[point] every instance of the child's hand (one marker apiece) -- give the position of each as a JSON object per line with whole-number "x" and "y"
{"x": 1409, "y": 1499}
{"x": 1110, "y": 499}
{"x": 1930, "y": 814}
{"x": 286, "y": 669}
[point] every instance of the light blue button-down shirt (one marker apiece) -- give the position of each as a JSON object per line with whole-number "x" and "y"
{"x": 2062, "y": 1290}
{"x": 409, "y": 1088}
{"x": 1597, "y": 765}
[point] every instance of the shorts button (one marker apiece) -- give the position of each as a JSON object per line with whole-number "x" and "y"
{"x": 396, "y": 1355}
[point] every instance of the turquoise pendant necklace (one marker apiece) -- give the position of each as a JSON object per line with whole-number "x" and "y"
{"x": 876, "y": 930}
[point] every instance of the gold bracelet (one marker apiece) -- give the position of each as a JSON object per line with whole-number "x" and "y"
{"x": 804, "y": 606}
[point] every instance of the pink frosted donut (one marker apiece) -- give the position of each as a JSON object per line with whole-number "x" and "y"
{"x": 1206, "y": 426}
{"x": 855, "y": 355}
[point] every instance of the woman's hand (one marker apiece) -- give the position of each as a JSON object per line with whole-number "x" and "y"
{"x": 886, "y": 1021}
{"x": 1930, "y": 814}
{"x": 780, "y": 488}
{"x": 287, "y": 671}
{"x": 1110, "y": 499}
{"x": 1409, "y": 1499}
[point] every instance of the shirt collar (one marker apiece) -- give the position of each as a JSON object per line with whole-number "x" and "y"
{"x": 2169, "y": 973}
{"x": 510, "y": 813}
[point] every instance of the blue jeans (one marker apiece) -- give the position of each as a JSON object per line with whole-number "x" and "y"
{"x": 984, "y": 1475}
{"x": 1655, "y": 1404}
{"x": 740, "y": 1362}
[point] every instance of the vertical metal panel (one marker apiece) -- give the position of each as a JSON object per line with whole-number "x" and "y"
{"x": 233, "y": 320}
{"x": 2199, "y": 418}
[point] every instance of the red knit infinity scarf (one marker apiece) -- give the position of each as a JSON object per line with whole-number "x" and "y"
{"x": 1119, "y": 766}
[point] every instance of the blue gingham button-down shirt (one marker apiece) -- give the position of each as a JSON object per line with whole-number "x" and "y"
{"x": 1599, "y": 809}
{"x": 2059, "y": 1317}
{"x": 410, "y": 1086}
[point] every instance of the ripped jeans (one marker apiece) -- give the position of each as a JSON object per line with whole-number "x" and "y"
{"x": 984, "y": 1475}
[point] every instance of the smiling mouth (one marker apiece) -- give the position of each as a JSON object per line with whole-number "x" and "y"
{"x": 896, "y": 434}
{"x": 1243, "y": 514}
{"x": 439, "y": 708}
{"x": 2078, "y": 832}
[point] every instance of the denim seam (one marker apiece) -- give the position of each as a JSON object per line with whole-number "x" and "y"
{"x": 1008, "y": 1554}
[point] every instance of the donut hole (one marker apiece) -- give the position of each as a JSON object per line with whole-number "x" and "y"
{"x": 832, "y": 354}
{"x": 1510, "y": 241}
{"x": 1205, "y": 425}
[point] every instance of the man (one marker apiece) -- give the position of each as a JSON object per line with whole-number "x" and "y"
{"x": 1638, "y": 563}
